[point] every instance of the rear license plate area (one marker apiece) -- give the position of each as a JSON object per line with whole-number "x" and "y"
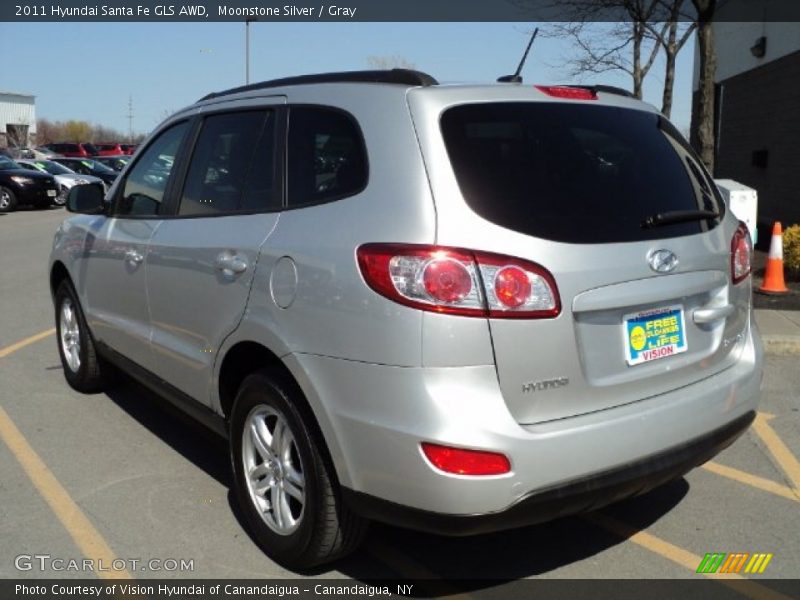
{"x": 654, "y": 334}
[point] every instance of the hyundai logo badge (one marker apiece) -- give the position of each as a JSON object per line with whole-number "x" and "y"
{"x": 662, "y": 261}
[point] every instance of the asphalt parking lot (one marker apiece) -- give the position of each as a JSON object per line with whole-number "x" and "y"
{"x": 119, "y": 476}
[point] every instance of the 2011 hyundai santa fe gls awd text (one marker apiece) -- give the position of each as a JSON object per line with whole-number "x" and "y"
{"x": 456, "y": 308}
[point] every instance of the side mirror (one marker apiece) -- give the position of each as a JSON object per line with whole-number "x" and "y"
{"x": 86, "y": 199}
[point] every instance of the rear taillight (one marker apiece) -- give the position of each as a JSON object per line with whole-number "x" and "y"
{"x": 460, "y": 282}
{"x": 741, "y": 254}
{"x": 565, "y": 91}
{"x": 461, "y": 461}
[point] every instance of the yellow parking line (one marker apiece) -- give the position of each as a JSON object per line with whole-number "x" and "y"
{"x": 755, "y": 481}
{"x": 26, "y": 342}
{"x": 780, "y": 452}
{"x": 684, "y": 558}
{"x": 85, "y": 536}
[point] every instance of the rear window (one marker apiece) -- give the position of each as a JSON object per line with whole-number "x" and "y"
{"x": 575, "y": 173}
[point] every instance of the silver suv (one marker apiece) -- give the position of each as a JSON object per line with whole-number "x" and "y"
{"x": 456, "y": 308}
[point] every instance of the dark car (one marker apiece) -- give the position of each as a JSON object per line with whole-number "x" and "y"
{"x": 23, "y": 186}
{"x": 73, "y": 149}
{"x": 114, "y": 162}
{"x": 89, "y": 166}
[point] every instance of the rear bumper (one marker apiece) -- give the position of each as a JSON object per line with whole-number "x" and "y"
{"x": 35, "y": 195}
{"x": 583, "y": 495}
{"x": 374, "y": 418}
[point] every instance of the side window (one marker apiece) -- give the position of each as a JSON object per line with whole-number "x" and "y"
{"x": 327, "y": 159}
{"x": 143, "y": 191}
{"x": 232, "y": 167}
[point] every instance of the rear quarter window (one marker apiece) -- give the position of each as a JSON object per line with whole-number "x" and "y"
{"x": 575, "y": 173}
{"x": 327, "y": 159}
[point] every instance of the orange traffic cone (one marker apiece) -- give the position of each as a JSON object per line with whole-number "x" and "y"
{"x": 773, "y": 276}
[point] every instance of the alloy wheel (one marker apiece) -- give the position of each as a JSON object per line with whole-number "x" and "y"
{"x": 69, "y": 333}
{"x": 273, "y": 469}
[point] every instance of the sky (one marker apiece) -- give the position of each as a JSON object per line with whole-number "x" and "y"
{"x": 88, "y": 71}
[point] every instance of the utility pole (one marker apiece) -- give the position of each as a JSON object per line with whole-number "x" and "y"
{"x": 247, "y": 22}
{"x": 130, "y": 119}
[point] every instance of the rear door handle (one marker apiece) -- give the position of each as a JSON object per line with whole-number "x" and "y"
{"x": 230, "y": 263}
{"x": 709, "y": 315}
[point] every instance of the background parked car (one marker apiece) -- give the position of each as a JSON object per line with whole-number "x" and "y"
{"x": 114, "y": 162}
{"x": 109, "y": 149}
{"x": 23, "y": 186}
{"x": 73, "y": 149}
{"x": 43, "y": 152}
{"x": 129, "y": 148}
{"x": 65, "y": 177}
{"x": 88, "y": 166}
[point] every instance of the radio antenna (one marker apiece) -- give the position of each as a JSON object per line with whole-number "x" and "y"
{"x": 516, "y": 77}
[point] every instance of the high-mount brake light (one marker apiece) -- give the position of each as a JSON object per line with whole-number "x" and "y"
{"x": 567, "y": 92}
{"x": 741, "y": 253}
{"x": 460, "y": 282}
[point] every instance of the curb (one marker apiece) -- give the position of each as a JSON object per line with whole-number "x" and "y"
{"x": 781, "y": 345}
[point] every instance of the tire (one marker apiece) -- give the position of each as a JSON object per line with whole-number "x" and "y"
{"x": 61, "y": 198}
{"x": 83, "y": 369}
{"x": 8, "y": 200}
{"x": 311, "y": 525}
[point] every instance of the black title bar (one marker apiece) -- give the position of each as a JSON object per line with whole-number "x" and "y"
{"x": 359, "y": 10}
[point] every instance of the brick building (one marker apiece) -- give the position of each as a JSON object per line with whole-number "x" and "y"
{"x": 757, "y": 109}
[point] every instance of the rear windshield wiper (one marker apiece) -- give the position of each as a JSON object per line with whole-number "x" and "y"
{"x": 678, "y": 216}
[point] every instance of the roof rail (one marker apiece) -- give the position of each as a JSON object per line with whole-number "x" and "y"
{"x": 608, "y": 89}
{"x": 398, "y": 76}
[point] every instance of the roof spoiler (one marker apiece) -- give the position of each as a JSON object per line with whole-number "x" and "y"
{"x": 407, "y": 77}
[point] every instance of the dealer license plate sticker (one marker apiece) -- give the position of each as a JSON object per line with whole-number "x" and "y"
{"x": 654, "y": 334}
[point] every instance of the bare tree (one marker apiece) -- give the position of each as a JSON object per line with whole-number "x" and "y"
{"x": 630, "y": 46}
{"x": 678, "y": 31}
{"x": 102, "y": 133}
{"x": 389, "y": 62}
{"x": 627, "y": 45}
{"x": 46, "y": 132}
{"x": 17, "y": 135}
{"x": 75, "y": 131}
{"x": 703, "y": 117}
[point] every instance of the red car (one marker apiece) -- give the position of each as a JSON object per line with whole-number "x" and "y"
{"x": 128, "y": 148}
{"x": 84, "y": 150}
{"x": 109, "y": 149}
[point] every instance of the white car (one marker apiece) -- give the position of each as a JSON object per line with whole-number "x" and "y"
{"x": 65, "y": 177}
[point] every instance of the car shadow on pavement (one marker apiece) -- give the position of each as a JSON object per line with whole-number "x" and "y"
{"x": 477, "y": 562}
{"x": 186, "y": 436}
{"x": 448, "y": 564}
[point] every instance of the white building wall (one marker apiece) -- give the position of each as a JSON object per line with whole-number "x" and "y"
{"x": 17, "y": 109}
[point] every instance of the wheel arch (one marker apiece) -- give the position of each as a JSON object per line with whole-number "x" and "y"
{"x": 246, "y": 357}
{"x": 58, "y": 273}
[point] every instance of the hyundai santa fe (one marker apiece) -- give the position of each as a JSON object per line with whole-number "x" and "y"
{"x": 455, "y": 308}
